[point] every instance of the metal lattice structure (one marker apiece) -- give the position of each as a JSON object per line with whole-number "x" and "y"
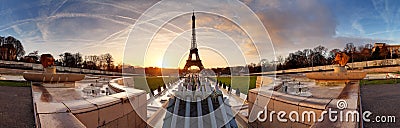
{"x": 193, "y": 50}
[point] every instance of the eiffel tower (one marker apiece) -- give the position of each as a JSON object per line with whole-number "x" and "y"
{"x": 193, "y": 50}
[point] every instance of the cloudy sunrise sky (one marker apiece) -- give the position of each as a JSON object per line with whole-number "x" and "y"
{"x": 94, "y": 27}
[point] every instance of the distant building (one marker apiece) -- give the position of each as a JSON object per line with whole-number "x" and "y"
{"x": 239, "y": 70}
{"x": 89, "y": 65}
{"x": 128, "y": 69}
{"x": 139, "y": 70}
{"x": 393, "y": 49}
{"x": 8, "y": 52}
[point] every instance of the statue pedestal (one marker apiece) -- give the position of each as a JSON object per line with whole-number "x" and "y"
{"x": 339, "y": 69}
{"x": 51, "y": 70}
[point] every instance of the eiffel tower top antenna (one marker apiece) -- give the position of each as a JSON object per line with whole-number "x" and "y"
{"x": 194, "y": 45}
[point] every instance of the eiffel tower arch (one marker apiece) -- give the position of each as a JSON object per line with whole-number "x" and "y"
{"x": 193, "y": 51}
{"x": 196, "y": 62}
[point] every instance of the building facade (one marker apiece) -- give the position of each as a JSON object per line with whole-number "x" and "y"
{"x": 393, "y": 49}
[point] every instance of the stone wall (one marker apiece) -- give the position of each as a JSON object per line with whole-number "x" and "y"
{"x": 263, "y": 81}
{"x": 128, "y": 108}
{"x": 356, "y": 65}
{"x": 109, "y": 111}
{"x": 34, "y": 66}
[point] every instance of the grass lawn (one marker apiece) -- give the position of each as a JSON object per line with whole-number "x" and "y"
{"x": 152, "y": 83}
{"x": 373, "y": 82}
{"x": 244, "y": 83}
{"x": 14, "y": 83}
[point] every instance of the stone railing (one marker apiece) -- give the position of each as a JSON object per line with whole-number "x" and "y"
{"x": 355, "y": 65}
{"x": 124, "y": 109}
{"x": 34, "y": 66}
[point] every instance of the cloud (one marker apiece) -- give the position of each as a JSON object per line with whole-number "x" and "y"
{"x": 290, "y": 22}
{"x": 95, "y": 27}
{"x": 230, "y": 29}
{"x": 294, "y": 25}
{"x": 356, "y": 25}
{"x": 248, "y": 48}
{"x": 389, "y": 14}
{"x": 89, "y": 27}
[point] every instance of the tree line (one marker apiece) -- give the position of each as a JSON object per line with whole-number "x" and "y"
{"x": 12, "y": 49}
{"x": 321, "y": 55}
{"x": 77, "y": 60}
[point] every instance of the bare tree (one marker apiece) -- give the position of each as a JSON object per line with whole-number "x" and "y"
{"x": 17, "y": 45}
{"x": 78, "y": 60}
{"x": 14, "y": 44}
{"x": 91, "y": 62}
{"x": 349, "y": 47}
{"x": 108, "y": 59}
{"x": 34, "y": 53}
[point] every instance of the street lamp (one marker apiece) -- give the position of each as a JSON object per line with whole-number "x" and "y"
{"x": 352, "y": 59}
{"x": 312, "y": 62}
{"x": 275, "y": 64}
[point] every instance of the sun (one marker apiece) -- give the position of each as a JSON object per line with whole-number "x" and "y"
{"x": 159, "y": 63}
{"x": 153, "y": 62}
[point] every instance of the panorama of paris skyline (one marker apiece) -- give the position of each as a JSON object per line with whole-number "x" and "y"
{"x": 98, "y": 27}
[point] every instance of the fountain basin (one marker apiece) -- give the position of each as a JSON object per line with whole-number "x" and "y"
{"x": 52, "y": 77}
{"x": 335, "y": 78}
{"x": 294, "y": 88}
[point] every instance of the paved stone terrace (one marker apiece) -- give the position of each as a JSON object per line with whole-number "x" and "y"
{"x": 16, "y": 108}
{"x": 381, "y": 100}
{"x": 72, "y": 110}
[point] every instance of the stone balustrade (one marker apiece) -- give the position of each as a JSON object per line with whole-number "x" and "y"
{"x": 34, "y": 66}
{"x": 355, "y": 65}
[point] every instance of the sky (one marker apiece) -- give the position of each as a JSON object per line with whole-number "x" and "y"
{"x": 94, "y": 27}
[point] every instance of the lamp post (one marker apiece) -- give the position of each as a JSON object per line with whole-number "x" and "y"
{"x": 312, "y": 62}
{"x": 352, "y": 59}
{"x": 275, "y": 64}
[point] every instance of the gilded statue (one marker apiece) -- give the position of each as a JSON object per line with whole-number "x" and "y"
{"x": 341, "y": 58}
{"x": 47, "y": 60}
